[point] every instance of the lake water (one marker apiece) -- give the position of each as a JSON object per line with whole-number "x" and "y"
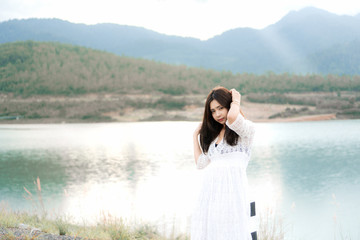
{"x": 307, "y": 173}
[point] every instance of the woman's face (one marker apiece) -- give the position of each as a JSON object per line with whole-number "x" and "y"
{"x": 219, "y": 112}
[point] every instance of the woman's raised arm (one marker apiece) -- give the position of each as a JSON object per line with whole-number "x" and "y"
{"x": 234, "y": 110}
{"x": 236, "y": 122}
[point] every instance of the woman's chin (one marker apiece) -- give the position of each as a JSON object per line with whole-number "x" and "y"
{"x": 221, "y": 121}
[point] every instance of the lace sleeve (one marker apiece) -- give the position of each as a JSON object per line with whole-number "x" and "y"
{"x": 202, "y": 161}
{"x": 244, "y": 128}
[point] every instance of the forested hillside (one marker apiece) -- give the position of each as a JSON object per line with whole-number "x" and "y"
{"x": 33, "y": 68}
{"x": 64, "y": 82}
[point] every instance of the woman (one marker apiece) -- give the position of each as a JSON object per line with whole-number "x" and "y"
{"x": 222, "y": 211}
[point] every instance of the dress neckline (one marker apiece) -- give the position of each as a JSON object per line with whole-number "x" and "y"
{"x": 216, "y": 139}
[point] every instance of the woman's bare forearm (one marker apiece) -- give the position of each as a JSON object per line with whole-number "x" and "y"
{"x": 234, "y": 110}
{"x": 197, "y": 149}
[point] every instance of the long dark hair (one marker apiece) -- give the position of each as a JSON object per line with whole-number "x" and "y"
{"x": 210, "y": 128}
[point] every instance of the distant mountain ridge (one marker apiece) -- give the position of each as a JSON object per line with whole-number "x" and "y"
{"x": 306, "y": 41}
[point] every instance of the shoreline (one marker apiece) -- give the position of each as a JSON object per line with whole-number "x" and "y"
{"x": 303, "y": 118}
{"x": 130, "y": 108}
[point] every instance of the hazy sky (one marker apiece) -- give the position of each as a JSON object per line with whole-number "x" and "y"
{"x": 195, "y": 18}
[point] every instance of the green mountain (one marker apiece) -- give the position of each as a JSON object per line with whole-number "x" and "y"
{"x": 60, "y": 82}
{"x": 37, "y": 68}
{"x": 33, "y": 68}
{"x": 338, "y": 57}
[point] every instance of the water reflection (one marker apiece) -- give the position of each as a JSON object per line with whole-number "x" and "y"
{"x": 20, "y": 169}
{"x": 145, "y": 171}
{"x": 314, "y": 163}
{"x": 265, "y": 170}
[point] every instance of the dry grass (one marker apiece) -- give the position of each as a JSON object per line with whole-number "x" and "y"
{"x": 271, "y": 226}
{"x": 109, "y": 229}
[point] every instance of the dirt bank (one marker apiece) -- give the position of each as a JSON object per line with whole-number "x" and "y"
{"x": 129, "y": 108}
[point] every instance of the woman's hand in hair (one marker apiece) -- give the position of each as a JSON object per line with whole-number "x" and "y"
{"x": 234, "y": 110}
{"x": 236, "y": 96}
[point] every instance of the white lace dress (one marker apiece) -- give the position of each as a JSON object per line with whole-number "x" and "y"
{"x": 222, "y": 211}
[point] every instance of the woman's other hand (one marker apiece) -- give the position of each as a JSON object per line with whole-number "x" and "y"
{"x": 197, "y": 149}
{"x": 197, "y": 130}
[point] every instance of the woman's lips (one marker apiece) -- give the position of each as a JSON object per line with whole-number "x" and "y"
{"x": 221, "y": 119}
